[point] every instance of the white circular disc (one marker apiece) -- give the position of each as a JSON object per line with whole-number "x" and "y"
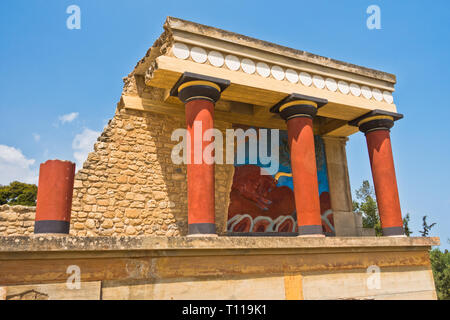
{"x": 232, "y": 62}
{"x": 355, "y": 89}
{"x": 263, "y": 69}
{"x": 331, "y": 84}
{"x": 366, "y": 92}
{"x": 387, "y": 96}
{"x": 277, "y": 72}
{"x": 248, "y": 66}
{"x": 305, "y": 78}
{"x": 377, "y": 94}
{"x": 180, "y": 50}
{"x": 215, "y": 58}
{"x": 343, "y": 87}
{"x": 292, "y": 76}
{"x": 318, "y": 82}
{"x": 198, "y": 54}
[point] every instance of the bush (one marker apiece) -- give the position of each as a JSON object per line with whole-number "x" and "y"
{"x": 440, "y": 263}
{"x": 18, "y": 193}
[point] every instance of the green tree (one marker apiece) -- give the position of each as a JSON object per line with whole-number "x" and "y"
{"x": 440, "y": 264}
{"x": 18, "y": 193}
{"x": 367, "y": 206}
{"x": 406, "y": 228}
{"x": 426, "y": 227}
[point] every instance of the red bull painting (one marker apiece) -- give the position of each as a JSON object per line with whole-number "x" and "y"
{"x": 264, "y": 203}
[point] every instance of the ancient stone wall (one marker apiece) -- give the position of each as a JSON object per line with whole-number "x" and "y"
{"x": 147, "y": 267}
{"x": 16, "y": 220}
{"x": 129, "y": 185}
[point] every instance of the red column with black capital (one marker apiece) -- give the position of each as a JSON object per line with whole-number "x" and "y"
{"x": 376, "y": 127}
{"x": 299, "y": 111}
{"x": 199, "y": 94}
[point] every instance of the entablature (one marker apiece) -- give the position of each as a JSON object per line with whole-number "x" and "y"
{"x": 261, "y": 75}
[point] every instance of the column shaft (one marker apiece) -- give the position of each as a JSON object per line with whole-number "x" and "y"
{"x": 199, "y": 94}
{"x": 54, "y": 197}
{"x": 200, "y": 176}
{"x": 385, "y": 182}
{"x": 304, "y": 173}
{"x": 299, "y": 110}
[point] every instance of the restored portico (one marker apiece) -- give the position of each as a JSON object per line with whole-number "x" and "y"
{"x": 270, "y": 86}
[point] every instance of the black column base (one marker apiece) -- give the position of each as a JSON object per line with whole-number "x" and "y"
{"x": 201, "y": 228}
{"x": 51, "y": 226}
{"x": 310, "y": 230}
{"x": 393, "y": 231}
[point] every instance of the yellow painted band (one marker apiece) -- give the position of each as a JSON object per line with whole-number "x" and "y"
{"x": 199, "y": 97}
{"x": 282, "y": 174}
{"x": 297, "y": 102}
{"x": 198, "y": 83}
{"x": 374, "y": 118}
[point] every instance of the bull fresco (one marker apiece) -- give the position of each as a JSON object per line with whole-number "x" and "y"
{"x": 266, "y": 203}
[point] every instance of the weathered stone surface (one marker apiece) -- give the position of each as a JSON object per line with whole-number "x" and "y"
{"x": 148, "y": 267}
{"x": 107, "y": 224}
{"x": 16, "y": 220}
{"x": 54, "y": 243}
{"x": 53, "y": 291}
{"x": 130, "y": 174}
{"x": 90, "y": 223}
{"x": 130, "y": 230}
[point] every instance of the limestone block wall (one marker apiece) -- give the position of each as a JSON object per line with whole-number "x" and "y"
{"x": 16, "y": 220}
{"x": 129, "y": 185}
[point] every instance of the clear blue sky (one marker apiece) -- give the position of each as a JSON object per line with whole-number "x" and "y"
{"x": 59, "y": 87}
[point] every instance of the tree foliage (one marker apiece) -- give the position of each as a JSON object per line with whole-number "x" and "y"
{"x": 426, "y": 227}
{"x": 406, "y": 228}
{"x": 367, "y": 206}
{"x": 440, "y": 263}
{"x": 18, "y": 193}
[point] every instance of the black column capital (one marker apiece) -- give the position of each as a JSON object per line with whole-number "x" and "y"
{"x": 192, "y": 86}
{"x": 376, "y": 120}
{"x": 298, "y": 105}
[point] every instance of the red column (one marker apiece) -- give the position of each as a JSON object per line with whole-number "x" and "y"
{"x": 298, "y": 111}
{"x": 304, "y": 174}
{"x": 385, "y": 182}
{"x": 376, "y": 125}
{"x": 54, "y": 197}
{"x": 199, "y": 94}
{"x": 200, "y": 176}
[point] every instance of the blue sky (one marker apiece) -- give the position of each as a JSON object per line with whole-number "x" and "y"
{"x": 59, "y": 87}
